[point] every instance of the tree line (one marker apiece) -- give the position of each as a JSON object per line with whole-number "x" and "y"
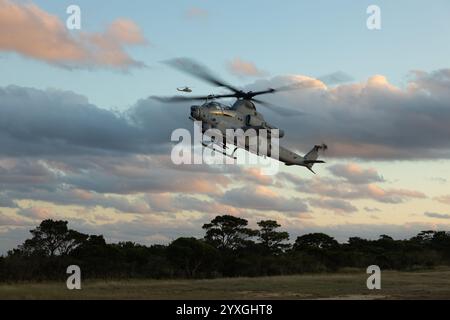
{"x": 229, "y": 249}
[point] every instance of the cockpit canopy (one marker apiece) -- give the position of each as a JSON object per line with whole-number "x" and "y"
{"x": 214, "y": 105}
{"x": 244, "y": 104}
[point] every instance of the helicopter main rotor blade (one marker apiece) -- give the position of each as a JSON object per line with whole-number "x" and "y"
{"x": 305, "y": 84}
{"x": 289, "y": 87}
{"x": 280, "y": 110}
{"x": 193, "y": 98}
{"x": 252, "y": 94}
{"x": 177, "y": 99}
{"x": 195, "y": 69}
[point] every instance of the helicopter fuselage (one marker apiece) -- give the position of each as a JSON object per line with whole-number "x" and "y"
{"x": 242, "y": 115}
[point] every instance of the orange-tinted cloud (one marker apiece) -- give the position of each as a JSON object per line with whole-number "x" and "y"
{"x": 242, "y": 68}
{"x": 354, "y": 173}
{"x": 36, "y": 213}
{"x": 32, "y": 32}
{"x": 255, "y": 175}
{"x": 443, "y": 199}
{"x": 346, "y": 190}
{"x": 368, "y": 120}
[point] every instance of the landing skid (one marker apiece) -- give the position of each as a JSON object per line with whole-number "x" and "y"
{"x": 224, "y": 147}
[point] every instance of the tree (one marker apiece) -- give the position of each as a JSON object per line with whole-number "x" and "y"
{"x": 384, "y": 237}
{"x": 93, "y": 247}
{"x": 191, "y": 254}
{"x": 52, "y": 238}
{"x": 2, "y": 268}
{"x": 386, "y": 242}
{"x": 53, "y": 247}
{"x": 315, "y": 241}
{"x": 228, "y": 232}
{"x": 358, "y": 243}
{"x": 424, "y": 237}
{"x": 270, "y": 239}
{"x": 441, "y": 241}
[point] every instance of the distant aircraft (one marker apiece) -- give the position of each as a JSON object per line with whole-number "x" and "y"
{"x": 185, "y": 89}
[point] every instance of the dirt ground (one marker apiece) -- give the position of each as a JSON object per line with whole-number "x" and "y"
{"x": 431, "y": 284}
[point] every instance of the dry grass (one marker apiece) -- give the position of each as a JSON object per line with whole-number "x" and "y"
{"x": 432, "y": 284}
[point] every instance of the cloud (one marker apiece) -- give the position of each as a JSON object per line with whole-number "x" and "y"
{"x": 335, "y": 205}
{"x": 337, "y": 189}
{"x": 13, "y": 235}
{"x": 335, "y": 78}
{"x": 175, "y": 203}
{"x": 196, "y": 13}
{"x": 7, "y": 202}
{"x": 52, "y": 122}
{"x": 20, "y": 174}
{"x": 11, "y": 221}
{"x": 355, "y": 174}
{"x": 36, "y": 213}
{"x": 262, "y": 198}
{"x": 371, "y": 120}
{"x": 255, "y": 176}
{"x": 241, "y": 68}
{"x": 371, "y": 210}
{"x": 120, "y": 175}
{"x": 140, "y": 174}
{"x": 32, "y": 32}
{"x": 437, "y": 215}
{"x": 70, "y": 196}
{"x": 443, "y": 199}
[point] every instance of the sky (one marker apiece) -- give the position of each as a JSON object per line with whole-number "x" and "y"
{"x": 81, "y": 139}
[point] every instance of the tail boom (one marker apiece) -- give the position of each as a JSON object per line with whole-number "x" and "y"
{"x": 308, "y": 161}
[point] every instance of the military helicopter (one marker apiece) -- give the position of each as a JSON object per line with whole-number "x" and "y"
{"x": 185, "y": 89}
{"x": 241, "y": 115}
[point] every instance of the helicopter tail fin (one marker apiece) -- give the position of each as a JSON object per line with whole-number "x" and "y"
{"x": 314, "y": 153}
{"x": 311, "y": 157}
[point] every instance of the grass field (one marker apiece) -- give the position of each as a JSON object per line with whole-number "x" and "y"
{"x": 433, "y": 284}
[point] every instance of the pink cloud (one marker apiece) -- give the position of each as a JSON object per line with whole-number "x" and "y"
{"x": 243, "y": 68}
{"x": 30, "y": 31}
{"x": 171, "y": 203}
{"x": 354, "y": 173}
{"x": 36, "y": 213}
{"x": 443, "y": 199}
{"x": 255, "y": 175}
{"x": 337, "y": 189}
{"x": 7, "y": 220}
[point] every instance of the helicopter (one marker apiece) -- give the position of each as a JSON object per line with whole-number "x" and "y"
{"x": 241, "y": 115}
{"x": 185, "y": 89}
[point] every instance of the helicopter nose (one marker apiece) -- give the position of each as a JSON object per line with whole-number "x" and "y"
{"x": 195, "y": 112}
